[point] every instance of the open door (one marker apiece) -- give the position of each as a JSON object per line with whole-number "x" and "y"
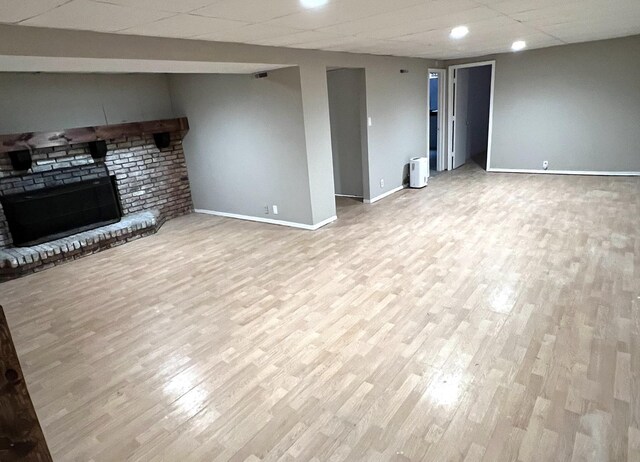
{"x": 437, "y": 140}
{"x": 460, "y": 144}
{"x": 470, "y": 113}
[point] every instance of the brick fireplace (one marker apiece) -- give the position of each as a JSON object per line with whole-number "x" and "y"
{"x": 152, "y": 186}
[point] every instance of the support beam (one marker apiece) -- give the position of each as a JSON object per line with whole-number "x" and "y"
{"x": 21, "y": 437}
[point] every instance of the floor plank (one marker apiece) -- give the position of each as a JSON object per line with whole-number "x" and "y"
{"x": 486, "y": 317}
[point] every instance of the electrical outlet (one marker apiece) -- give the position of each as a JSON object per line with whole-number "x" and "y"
{"x": 369, "y": 121}
{"x": 545, "y": 164}
{"x": 266, "y": 210}
{"x": 275, "y": 209}
{"x": 382, "y": 182}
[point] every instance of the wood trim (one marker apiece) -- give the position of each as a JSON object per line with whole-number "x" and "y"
{"x": 36, "y": 140}
{"x": 21, "y": 436}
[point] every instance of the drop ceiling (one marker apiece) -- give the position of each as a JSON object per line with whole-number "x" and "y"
{"x": 417, "y": 28}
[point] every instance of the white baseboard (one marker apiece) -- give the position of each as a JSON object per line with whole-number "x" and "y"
{"x": 562, "y": 172}
{"x": 349, "y": 195}
{"x": 323, "y": 223}
{"x": 270, "y": 221}
{"x": 382, "y": 196}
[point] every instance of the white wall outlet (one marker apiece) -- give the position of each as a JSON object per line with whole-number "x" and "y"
{"x": 369, "y": 121}
{"x": 545, "y": 164}
{"x": 382, "y": 182}
{"x": 275, "y": 209}
{"x": 266, "y": 210}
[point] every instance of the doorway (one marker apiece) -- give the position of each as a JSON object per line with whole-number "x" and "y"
{"x": 436, "y": 132}
{"x": 348, "y": 121}
{"x": 471, "y": 88}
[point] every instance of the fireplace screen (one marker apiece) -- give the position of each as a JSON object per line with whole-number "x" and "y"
{"x": 51, "y": 213}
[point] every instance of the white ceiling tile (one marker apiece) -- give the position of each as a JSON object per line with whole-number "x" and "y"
{"x": 12, "y": 11}
{"x": 337, "y": 43}
{"x": 512, "y": 7}
{"x": 341, "y": 11}
{"x": 569, "y": 33}
{"x": 90, "y": 15}
{"x": 250, "y": 10}
{"x": 398, "y": 27}
{"x": 411, "y": 19}
{"x": 298, "y": 38}
{"x": 184, "y": 26}
{"x": 175, "y": 6}
{"x": 442, "y": 23}
{"x": 249, "y": 33}
{"x": 478, "y": 31}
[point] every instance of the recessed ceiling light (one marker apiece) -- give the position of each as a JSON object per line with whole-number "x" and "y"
{"x": 519, "y": 45}
{"x": 313, "y": 3}
{"x": 459, "y": 32}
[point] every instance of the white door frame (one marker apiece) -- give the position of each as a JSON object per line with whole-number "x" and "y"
{"x": 442, "y": 107}
{"x": 451, "y": 114}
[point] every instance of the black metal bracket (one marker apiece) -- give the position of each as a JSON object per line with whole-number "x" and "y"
{"x": 98, "y": 149}
{"x": 162, "y": 140}
{"x": 20, "y": 160}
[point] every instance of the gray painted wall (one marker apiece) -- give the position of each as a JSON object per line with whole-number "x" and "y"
{"x": 364, "y": 141}
{"x": 317, "y": 129}
{"x": 42, "y": 102}
{"x": 346, "y": 92}
{"x": 577, "y": 106}
{"x": 397, "y": 103}
{"x": 398, "y": 106}
{"x": 246, "y": 146}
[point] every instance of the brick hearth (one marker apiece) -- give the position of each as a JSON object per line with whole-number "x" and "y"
{"x": 147, "y": 179}
{"x": 17, "y": 261}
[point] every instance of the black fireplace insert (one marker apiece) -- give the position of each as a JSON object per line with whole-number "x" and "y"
{"x": 51, "y": 213}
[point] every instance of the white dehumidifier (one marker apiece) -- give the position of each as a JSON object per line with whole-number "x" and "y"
{"x": 418, "y": 172}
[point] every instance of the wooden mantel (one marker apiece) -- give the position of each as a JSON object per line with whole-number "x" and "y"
{"x": 36, "y": 140}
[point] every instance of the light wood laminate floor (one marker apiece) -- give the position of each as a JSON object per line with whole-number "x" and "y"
{"x": 487, "y": 317}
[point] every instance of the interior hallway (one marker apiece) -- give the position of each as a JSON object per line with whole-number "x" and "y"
{"x": 481, "y": 313}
